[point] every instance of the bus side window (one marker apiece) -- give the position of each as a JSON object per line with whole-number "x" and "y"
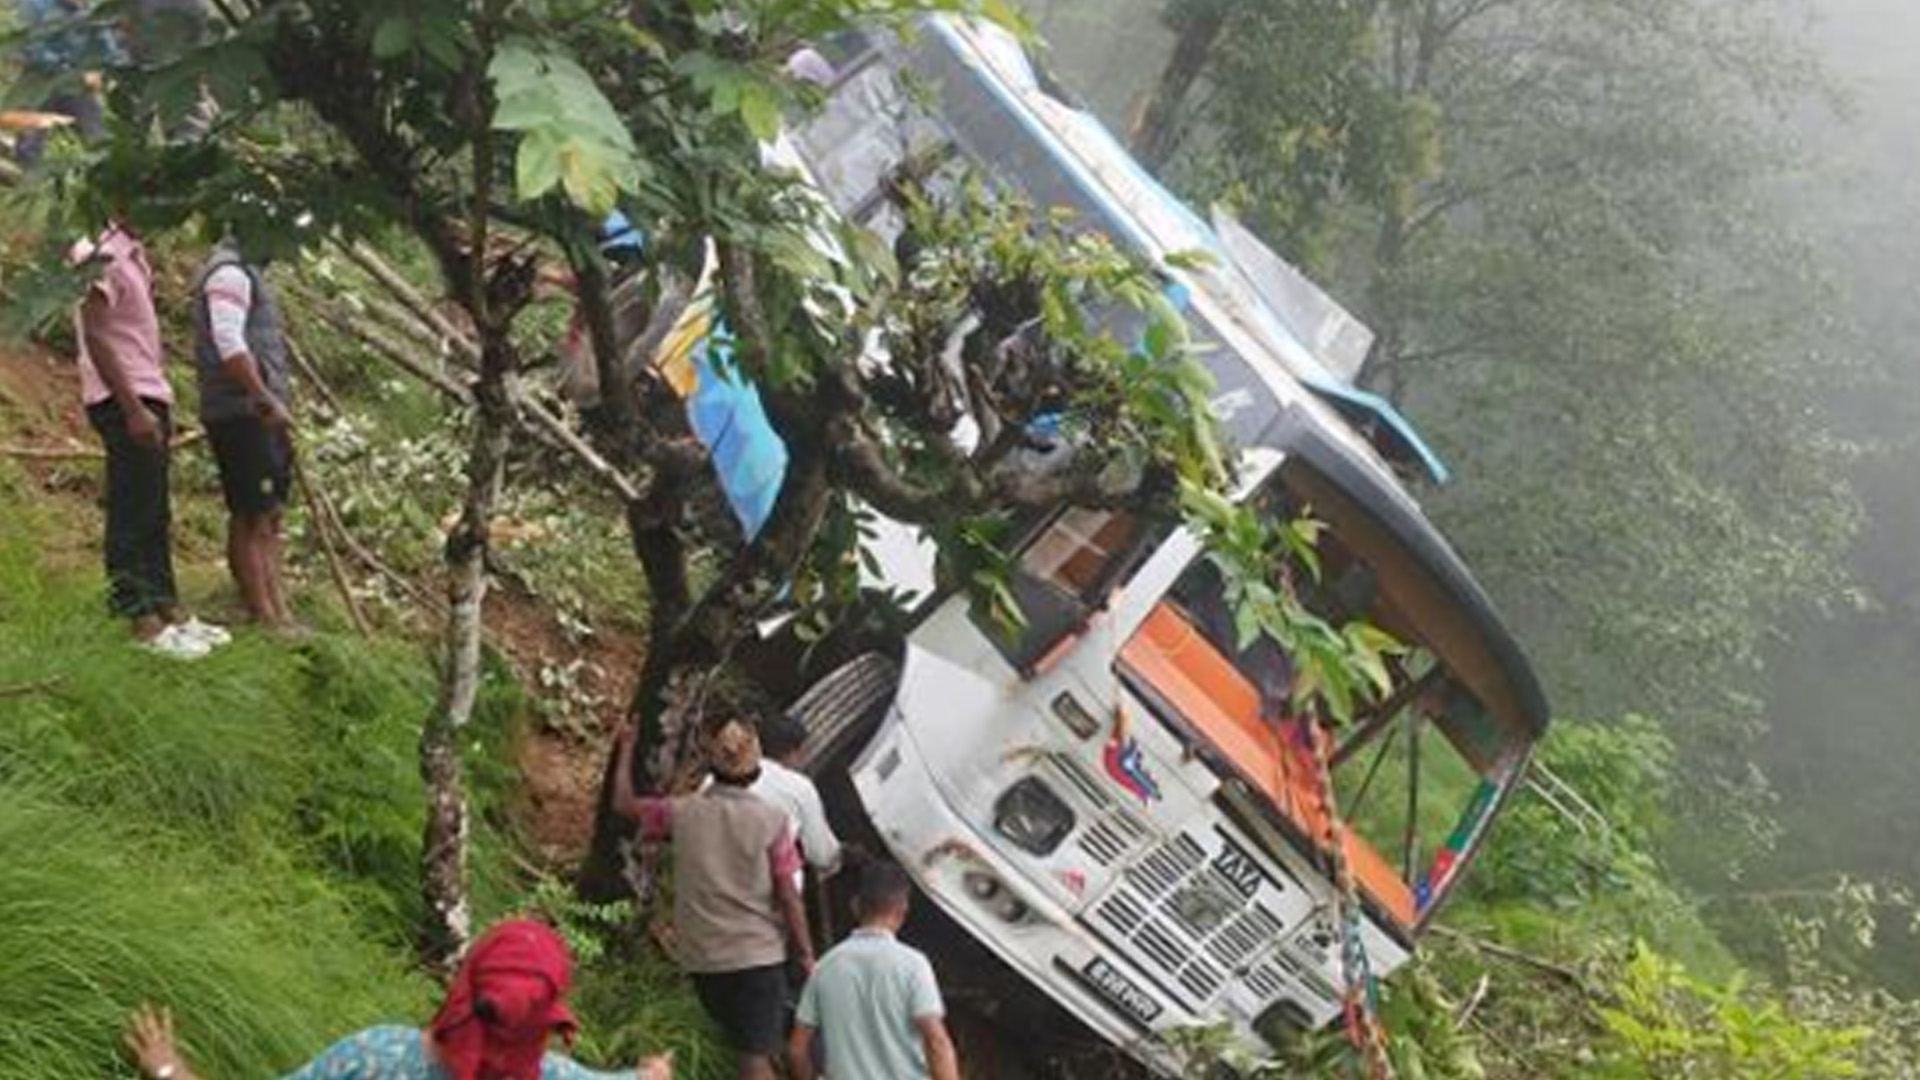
{"x": 1073, "y": 555}
{"x": 1062, "y": 576}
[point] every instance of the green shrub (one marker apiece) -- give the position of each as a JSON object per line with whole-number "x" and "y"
{"x": 635, "y": 1003}
{"x": 1666, "y": 1023}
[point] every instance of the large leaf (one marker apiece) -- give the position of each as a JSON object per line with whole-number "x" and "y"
{"x": 571, "y": 136}
{"x": 393, "y": 38}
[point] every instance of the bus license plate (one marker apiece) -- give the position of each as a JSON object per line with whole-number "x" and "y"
{"x": 1121, "y": 992}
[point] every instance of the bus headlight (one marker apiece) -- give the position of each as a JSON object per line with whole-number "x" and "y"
{"x": 1033, "y": 817}
{"x": 995, "y": 897}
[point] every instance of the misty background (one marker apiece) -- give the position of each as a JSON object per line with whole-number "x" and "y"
{"x": 1843, "y": 745}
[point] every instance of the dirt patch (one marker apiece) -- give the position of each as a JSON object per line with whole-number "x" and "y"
{"x": 583, "y": 682}
{"x": 44, "y": 435}
{"x": 40, "y": 396}
{"x": 561, "y": 780}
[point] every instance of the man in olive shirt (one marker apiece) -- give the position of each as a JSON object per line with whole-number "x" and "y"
{"x": 873, "y": 1001}
{"x": 736, "y": 909}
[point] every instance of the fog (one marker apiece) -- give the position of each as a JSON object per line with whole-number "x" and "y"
{"x": 1845, "y": 747}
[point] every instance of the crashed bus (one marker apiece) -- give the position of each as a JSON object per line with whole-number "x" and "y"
{"x": 1098, "y": 800}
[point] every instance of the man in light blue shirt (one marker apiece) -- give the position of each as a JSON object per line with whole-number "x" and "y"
{"x": 872, "y": 1001}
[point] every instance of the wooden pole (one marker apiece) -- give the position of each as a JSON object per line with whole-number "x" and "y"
{"x": 536, "y": 416}
{"x": 402, "y": 290}
{"x": 323, "y": 528}
{"x": 82, "y": 453}
{"x": 303, "y": 363}
{"x": 395, "y": 354}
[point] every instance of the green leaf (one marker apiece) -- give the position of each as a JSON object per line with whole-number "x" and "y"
{"x": 589, "y": 178}
{"x": 760, "y": 110}
{"x": 1246, "y": 626}
{"x": 1008, "y": 16}
{"x": 536, "y": 166}
{"x": 526, "y": 110}
{"x": 1158, "y": 339}
{"x": 572, "y": 136}
{"x": 393, "y": 38}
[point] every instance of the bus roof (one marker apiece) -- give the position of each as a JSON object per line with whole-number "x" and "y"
{"x": 998, "y": 112}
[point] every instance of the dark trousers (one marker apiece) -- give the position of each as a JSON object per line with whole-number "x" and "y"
{"x": 139, "y": 546}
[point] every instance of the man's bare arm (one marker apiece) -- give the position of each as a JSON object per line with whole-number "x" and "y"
{"x": 800, "y": 1053}
{"x": 943, "y": 1062}
{"x": 653, "y": 814}
{"x": 795, "y": 912}
{"x": 243, "y": 370}
{"x": 229, "y": 296}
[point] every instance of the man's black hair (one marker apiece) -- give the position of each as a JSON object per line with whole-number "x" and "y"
{"x": 781, "y": 735}
{"x": 883, "y": 887}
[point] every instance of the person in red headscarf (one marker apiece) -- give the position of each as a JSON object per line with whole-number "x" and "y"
{"x": 504, "y": 1005}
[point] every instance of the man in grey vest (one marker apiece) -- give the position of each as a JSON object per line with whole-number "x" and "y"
{"x": 240, "y": 359}
{"x": 736, "y": 909}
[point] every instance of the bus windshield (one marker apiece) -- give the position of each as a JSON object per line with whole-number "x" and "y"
{"x": 1416, "y": 774}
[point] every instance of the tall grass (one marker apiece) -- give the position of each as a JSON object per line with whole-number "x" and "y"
{"x": 278, "y": 752}
{"x": 638, "y": 1005}
{"x": 235, "y": 838}
{"x": 98, "y": 914}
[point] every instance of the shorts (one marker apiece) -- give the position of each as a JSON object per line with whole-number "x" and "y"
{"x": 749, "y": 1006}
{"x": 256, "y": 470}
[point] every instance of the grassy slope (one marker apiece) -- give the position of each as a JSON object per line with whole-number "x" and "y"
{"x": 236, "y": 837}
{"x": 213, "y": 836}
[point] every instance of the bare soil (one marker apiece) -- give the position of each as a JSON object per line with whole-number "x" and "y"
{"x": 561, "y": 759}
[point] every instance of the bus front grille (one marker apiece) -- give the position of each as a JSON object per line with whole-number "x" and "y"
{"x": 1111, "y": 832}
{"x": 1174, "y": 915}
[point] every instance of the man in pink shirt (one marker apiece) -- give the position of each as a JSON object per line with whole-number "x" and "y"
{"x": 129, "y": 403}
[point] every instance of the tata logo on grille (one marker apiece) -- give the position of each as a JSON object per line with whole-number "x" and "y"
{"x": 1238, "y": 868}
{"x": 1120, "y": 991}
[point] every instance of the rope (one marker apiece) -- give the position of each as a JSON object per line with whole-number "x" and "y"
{"x": 1360, "y": 997}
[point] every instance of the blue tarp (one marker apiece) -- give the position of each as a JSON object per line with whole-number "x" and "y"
{"x": 724, "y": 410}
{"x": 731, "y": 422}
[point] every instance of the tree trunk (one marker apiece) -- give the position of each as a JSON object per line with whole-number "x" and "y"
{"x": 443, "y": 857}
{"x": 1412, "y": 77}
{"x": 1156, "y": 132}
{"x": 699, "y": 636}
{"x": 653, "y": 525}
{"x": 448, "y": 921}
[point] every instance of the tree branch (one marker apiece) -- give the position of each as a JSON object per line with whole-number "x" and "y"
{"x": 319, "y": 510}
{"x": 451, "y": 338}
{"x": 1561, "y": 972}
{"x": 449, "y": 387}
{"x": 594, "y": 292}
{"x": 40, "y": 686}
{"x": 537, "y": 417}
